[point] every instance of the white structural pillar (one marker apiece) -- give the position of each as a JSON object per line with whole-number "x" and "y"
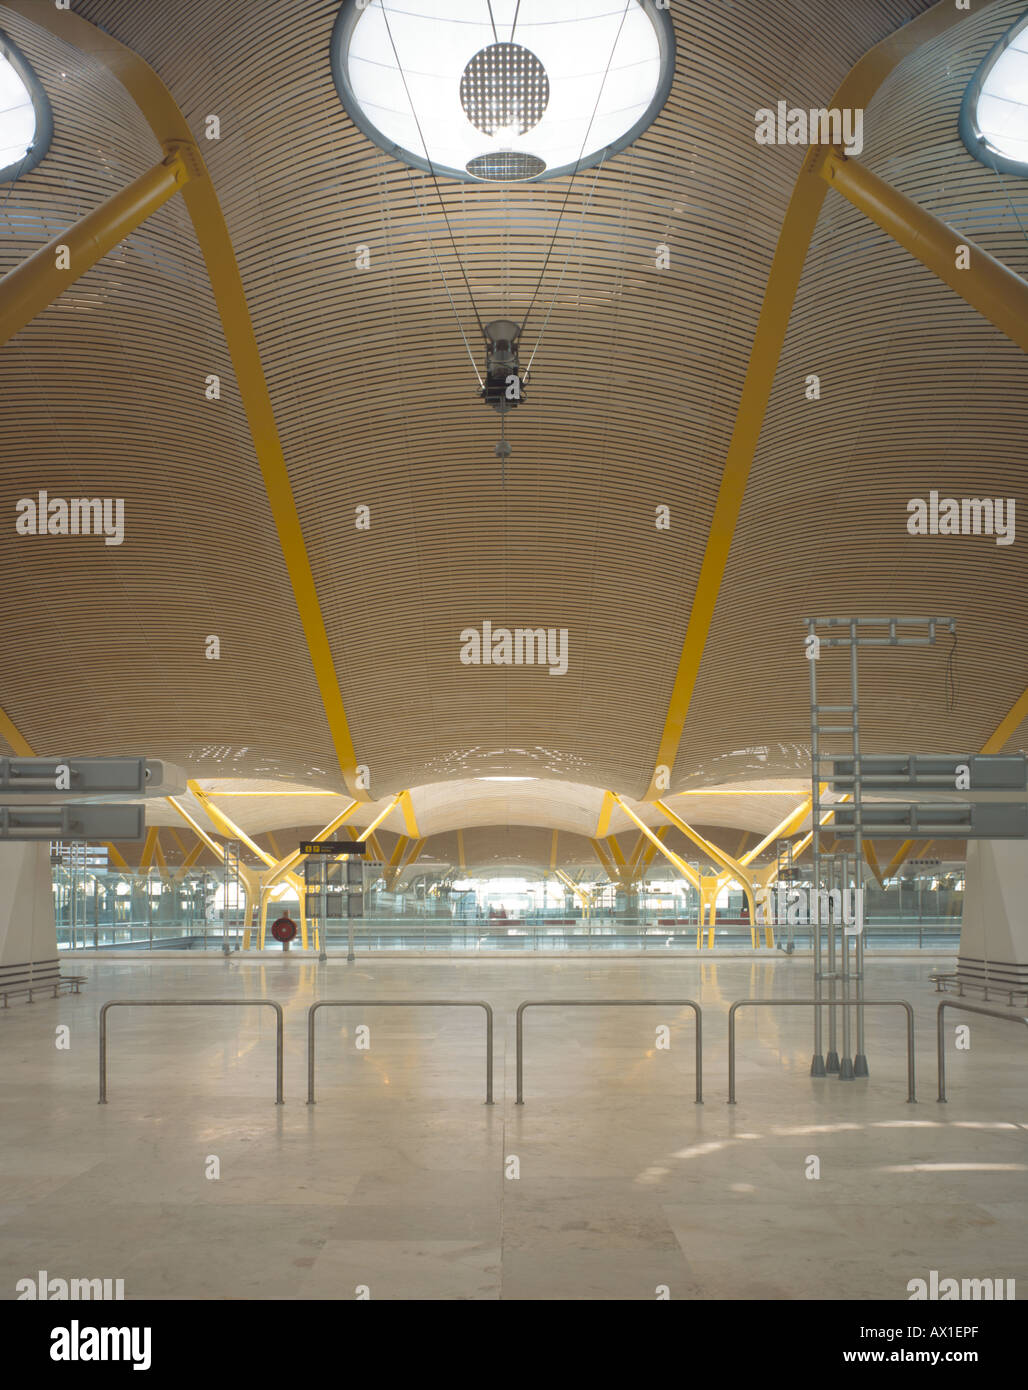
{"x": 994, "y": 936}
{"x": 28, "y": 932}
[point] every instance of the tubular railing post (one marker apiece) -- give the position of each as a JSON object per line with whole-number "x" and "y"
{"x": 310, "y": 1051}
{"x": 196, "y": 1003}
{"x": 940, "y": 1037}
{"x": 825, "y": 1004}
{"x": 605, "y": 1003}
{"x": 404, "y": 1004}
{"x": 520, "y": 1033}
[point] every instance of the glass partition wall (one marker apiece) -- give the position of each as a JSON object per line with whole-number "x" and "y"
{"x": 98, "y": 908}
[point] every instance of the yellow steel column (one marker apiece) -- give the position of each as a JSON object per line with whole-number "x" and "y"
{"x": 366, "y": 833}
{"x": 26, "y": 290}
{"x": 249, "y": 878}
{"x": 606, "y": 810}
{"x": 295, "y": 858}
{"x": 715, "y": 854}
{"x": 686, "y": 870}
{"x": 987, "y": 285}
{"x": 170, "y": 127}
{"x": 794, "y": 240}
{"x": 263, "y": 918}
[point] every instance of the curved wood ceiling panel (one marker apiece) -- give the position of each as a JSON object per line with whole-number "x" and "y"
{"x": 103, "y": 396}
{"x": 918, "y": 393}
{"x": 633, "y": 391}
{"x": 632, "y": 404}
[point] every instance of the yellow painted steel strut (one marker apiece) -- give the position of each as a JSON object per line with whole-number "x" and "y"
{"x": 809, "y": 193}
{"x": 722, "y": 860}
{"x": 685, "y": 869}
{"x": 986, "y": 284}
{"x": 170, "y": 127}
{"x": 229, "y": 827}
{"x": 26, "y": 290}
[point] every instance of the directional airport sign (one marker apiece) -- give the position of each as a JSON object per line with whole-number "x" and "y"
{"x": 101, "y": 820}
{"x": 982, "y": 820}
{"x": 333, "y": 847}
{"x": 968, "y": 772}
{"x": 92, "y": 777}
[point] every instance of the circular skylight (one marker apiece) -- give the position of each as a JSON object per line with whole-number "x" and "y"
{"x": 25, "y": 122}
{"x": 532, "y": 91}
{"x": 994, "y": 116}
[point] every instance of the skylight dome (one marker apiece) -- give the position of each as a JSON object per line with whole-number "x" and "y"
{"x": 25, "y": 122}
{"x": 525, "y": 93}
{"x": 994, "y": 116}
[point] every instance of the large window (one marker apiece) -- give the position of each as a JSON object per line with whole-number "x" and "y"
{"x": 25, "y": 121}
{"x": 994, "y": 115}
{"x": 504, "y": 91}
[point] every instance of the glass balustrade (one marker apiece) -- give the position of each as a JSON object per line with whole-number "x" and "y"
{"x": 192, "y": 911}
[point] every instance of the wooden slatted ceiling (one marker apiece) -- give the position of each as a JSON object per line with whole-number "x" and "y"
{"x": 102, "y": 395}
{"x": 631, "y": 405}
{"x": 633, "y": 394}
{"x": 918, "y": 392}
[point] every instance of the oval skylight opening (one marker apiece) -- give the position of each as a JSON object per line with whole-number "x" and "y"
{"x": 534, "y": 92}
{"x": 994, "y": 115}
{"x": 25, "y": 120}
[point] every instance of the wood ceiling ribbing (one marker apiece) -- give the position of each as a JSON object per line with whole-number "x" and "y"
{"x": 631, "y": 406}
{"x": 918, "y": 392}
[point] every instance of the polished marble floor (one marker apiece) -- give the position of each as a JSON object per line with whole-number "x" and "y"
{"x": 609, "y": 1183}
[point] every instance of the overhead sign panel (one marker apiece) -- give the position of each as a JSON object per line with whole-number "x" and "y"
{"x": 73, "y": 821}
{"x": 967, "y": 772}
{"x": 982, "y": 820}
{"x": 333, "y": 847}
{"x": 92, "y": 777}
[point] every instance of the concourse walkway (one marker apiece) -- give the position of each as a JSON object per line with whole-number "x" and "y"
{"x": 396, "y": 1181}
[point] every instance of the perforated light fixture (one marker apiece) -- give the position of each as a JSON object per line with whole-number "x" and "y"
{"x": 994, "y": 114}
{"x": 504, "y": 90}
{"x": 26, "y": 124}
{"x": 534, "y": 91}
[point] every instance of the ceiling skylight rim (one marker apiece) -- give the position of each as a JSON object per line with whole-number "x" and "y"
{"x": 11, "y": 54}
{"x": 652, "y": 75}
{"x": 971, "y": 132}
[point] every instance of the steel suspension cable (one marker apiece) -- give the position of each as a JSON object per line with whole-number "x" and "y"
{"x": 442, "y": 277}
{"x": 431, "y": 169}
{"x": 578, "y": 161}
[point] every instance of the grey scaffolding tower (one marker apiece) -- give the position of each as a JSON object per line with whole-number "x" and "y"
{"x": 785, "y": 873}
{"x": 234, "y": 896}
{"x": 834, "y": 721}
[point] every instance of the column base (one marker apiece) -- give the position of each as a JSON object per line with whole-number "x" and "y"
{"x": 860, "y": 1065}
{"x": 817, "y": 1065}
{"x": 846, "y": 1069}
{"x": 832, "y": 1062}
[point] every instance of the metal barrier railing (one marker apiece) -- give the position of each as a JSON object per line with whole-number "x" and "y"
{"x": 192, "y": 1003}
{"x": 825, "y": 1004}
{"x": 564, "y": 1003}
{"x": 405, "y": 1004}
{"x": 967, "y": 1009}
